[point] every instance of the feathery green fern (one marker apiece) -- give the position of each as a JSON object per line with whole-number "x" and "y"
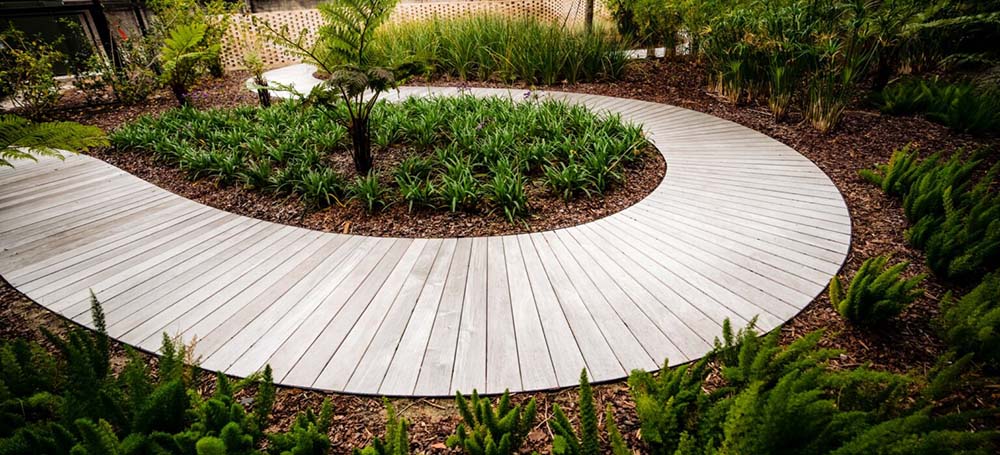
{"x": 396, "y": 440}
{"x": 22, "y": 139}
{"x": 877, "y": 292}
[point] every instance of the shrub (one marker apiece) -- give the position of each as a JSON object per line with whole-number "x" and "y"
{"x": 877, "y": 292}
{"x": 952, "y": 215}
{"x": 74, "y": 403}
{"x": 26, "y": 73}
{"x": 774, "y": 399}
{"x": 962, "y": 106}
{"x": 486, "y": 430}
{"x": 971, "y": 324}
{"x": 479, "y": 154}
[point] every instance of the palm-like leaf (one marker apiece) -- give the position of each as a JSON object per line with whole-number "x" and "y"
{"x": 22, "y": 139}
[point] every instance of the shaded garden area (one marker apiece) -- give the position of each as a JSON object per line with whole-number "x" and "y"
{"x": 895, "y": 101}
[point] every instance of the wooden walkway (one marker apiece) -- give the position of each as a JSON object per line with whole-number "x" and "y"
{"x": 742, "y": 226}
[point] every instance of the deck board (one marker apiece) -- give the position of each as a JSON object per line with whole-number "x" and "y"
{"x": 742, "y": 226}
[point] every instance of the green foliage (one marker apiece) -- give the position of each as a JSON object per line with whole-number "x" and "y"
{"x": 877, "y": 292}
{"x": 307, "y": 435}
{"x": 953, "y": 216}
{"x": 395, "y": 442}
{"x": 788, "y": 52}
{"x": 183, "y": 58}
{"x": 460, "y": 153}
{"x": 587, "y": 441}
{"x": 495, "y": 47}
{"x": 786, "y": 399}
{"x": 342, "y": 50}
{"x": 489, "y": 430}
{"x": 26, "y": 72}
{"x": 74, "y": 403}
{"x": 971, "y": 324}
{"x": 962, "y": 107}
{"x": 21, "y": 139}
{"x": 369, "y": 191}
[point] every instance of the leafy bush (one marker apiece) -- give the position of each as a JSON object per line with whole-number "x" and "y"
{"x": 962, "y": 107}
{"x": 486, "y": 430}
{"x": 775, "y": 399}
{"x": 26, "y": 73}
{"x": 877, "y": 292}
{"x": 804, "y": 52}
{"x": 971, "y": 324}
{"x": 460, "y": 153}
{"x": 21, "y": 139}
{"x": 494, "y": 47}
{"x": 73, "y": 403}
{"x": 953, "y": 217}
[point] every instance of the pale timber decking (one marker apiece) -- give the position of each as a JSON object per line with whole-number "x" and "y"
{"x": 741, "y": 227}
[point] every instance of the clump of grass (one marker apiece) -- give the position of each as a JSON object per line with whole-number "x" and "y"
{"x": 493, "y": 47}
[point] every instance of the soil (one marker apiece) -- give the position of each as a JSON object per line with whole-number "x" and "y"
{"x": 864, "y": 138}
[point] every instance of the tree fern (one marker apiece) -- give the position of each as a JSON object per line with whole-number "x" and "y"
{"x": 876, "y": 293}
{"x": 21, "y": 139}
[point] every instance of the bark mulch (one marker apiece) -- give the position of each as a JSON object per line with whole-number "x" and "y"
{"x": 865, "y": 138}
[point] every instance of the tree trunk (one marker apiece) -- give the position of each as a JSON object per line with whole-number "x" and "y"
{"x": 181, "y": 94}
{"x": 263, "y": 94}
{"x": 361, "y": 143}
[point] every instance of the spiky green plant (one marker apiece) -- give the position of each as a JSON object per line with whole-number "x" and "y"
{"x": 587, "y": 440}
{"x": 22, "y": 139}
{"x": 489, "y": 430}
{"x": 395, "y": 442}
{"x": 877, "y": 292}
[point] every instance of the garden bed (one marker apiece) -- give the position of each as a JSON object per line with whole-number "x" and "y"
{"x": 445, "y": 167}
{"x": 865, "y": 138}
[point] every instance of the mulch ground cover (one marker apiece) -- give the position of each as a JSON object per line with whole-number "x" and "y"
{"x": 864, "y": 138}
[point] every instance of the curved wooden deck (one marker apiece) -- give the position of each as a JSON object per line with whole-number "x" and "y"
{"x": 742, "y": 226}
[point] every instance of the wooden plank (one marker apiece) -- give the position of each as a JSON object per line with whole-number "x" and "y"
{"x": 624, "y": 339}
{"x": 403, "y": 365}
{"x": 317, "y": 357}
{"x": 564, "y": 351}
{"x": 470, "y": 354}
{"x": 179, "y": 319}
{"x": 502, "y": 364}
{"x": 404, "y": 283}
{"x": 537, "y": 371}
{"x": 130, "y": 279}
{"x": 601, "y": 358}
{"x": 249, "y": 349}
{"x": 438, "y": 362}
{"x": 373, "y": 361}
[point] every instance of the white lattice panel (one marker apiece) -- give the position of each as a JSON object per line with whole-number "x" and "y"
{"x": 242, "y": 31}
